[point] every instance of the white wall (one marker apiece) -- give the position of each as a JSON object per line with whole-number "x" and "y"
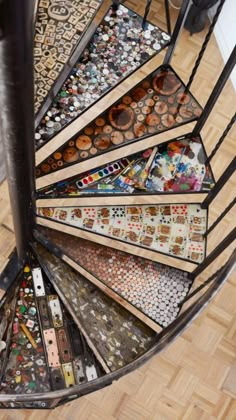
{"x": 225, "y": 32}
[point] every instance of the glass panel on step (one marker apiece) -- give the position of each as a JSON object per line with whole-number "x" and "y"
{"x": 118, "y": 47}
{"x": 177, "y": 166}
{"x": 44, "y": 349}
{"x": 58, "y": 30}
{"x": 69, "y": 358}
{"x": 175, "y": 229}
{"x": 155, "y": 289}
{"x": 156, "y": 104}
{"x": 26, "y": 370}
{"x": 118, "y": 336}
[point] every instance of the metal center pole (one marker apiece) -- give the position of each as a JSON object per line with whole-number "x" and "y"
{"x": 17, "y": 113}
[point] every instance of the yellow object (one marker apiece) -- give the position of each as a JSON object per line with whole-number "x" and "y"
{"x": 28, "y": 335}
{"x": 68, "y": 374}
{"x": 18, "y": 379}
{"x": 26, "y": 269}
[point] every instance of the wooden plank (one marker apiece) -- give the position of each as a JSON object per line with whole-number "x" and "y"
{"x": 121, "y": 200}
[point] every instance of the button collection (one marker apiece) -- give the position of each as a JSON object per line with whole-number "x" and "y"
{"x": 177, "y": 166}
{"x": 118, "y": 47}
{"x": 157, "y": 103}
{"x": 58, "y": 30}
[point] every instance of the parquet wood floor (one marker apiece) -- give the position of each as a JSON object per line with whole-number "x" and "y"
{"x": 195, "y": 377}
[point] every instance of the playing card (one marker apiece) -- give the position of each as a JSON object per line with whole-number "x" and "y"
{"x": 179, "y": 209}
{"x": 161, "y": 243}
{"x": 146, "y": 240}
{"x": 101, "y": 226}
{"x": 103, "y": 213}
{"x": 89, "y": 212}
{"x": 148, "y": 230}
{"x": 177, "y": 250}
{"x": 116, "y": 232}
{"x": 88, "y": 223}
{"x": 131, "y": 236}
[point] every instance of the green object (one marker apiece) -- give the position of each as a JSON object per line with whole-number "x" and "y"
{"x": 23, "y": 309}
{"x": 22, "y": 341}
{"x": 184, "y": 187}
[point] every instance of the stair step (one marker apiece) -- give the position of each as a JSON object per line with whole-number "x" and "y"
{"x": 178, "y": 166}
{"x": 58, "y": 31}
{"x": 158, "y": 103}
{"x": 99, "y": 67}
{"x": 154, "y": 289}
{"x": 106, "y": 158}
{"x": 45, "y": 350}
{"x": 118, "y": 245}
{"x": 176, "y": 230}
{"x": 19, "y": 377}
{"x": 118, "y": 336}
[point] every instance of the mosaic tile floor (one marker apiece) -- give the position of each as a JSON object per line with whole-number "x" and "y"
{"x": 118, "y": 336}
{"x": 118, "y": 47}
{"x": 153, "y": 288}
{"x": 175, "y": 230}
{"x": 177, "y": 166}
{"x": 58, "y": 30}
{"x": 157, "y": 103}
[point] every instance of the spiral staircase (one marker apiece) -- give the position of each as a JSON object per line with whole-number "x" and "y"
{"x": 111, "y": 203}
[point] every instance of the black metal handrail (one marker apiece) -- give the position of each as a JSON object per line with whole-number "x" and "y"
{"x": 205, "y": 43}
{"x": 222, "y": 138}
{"x": 219, "y": 86}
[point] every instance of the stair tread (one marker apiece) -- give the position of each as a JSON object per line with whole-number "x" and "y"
{"x": 178, "y": 166}
{"x": 156, "y": 104}
{"x": 146, "y": 253}
{"x": 176, "y": 230}
{"x": 18, "y": 376}
{"x": 99, "y": 62}
{"x": 155, "y": 289}
{"x": 58, "y": 30}
{"x": 119, "y": 337}
{"x": 32, "y": 366}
